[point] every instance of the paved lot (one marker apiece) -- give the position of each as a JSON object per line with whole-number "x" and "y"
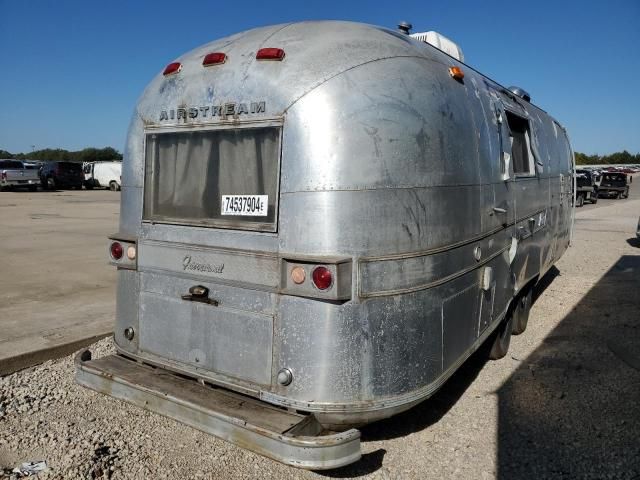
{"x": 562, "y": 404}
{"x": 56, "y": 290}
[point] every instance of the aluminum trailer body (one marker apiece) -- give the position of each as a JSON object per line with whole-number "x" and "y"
{"x": 331, "y": 230}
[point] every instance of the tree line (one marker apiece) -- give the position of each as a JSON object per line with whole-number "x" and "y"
{"x": 108, "y": 153}
{"x": 59, "y": 154}
{"x": 623, "y": 157}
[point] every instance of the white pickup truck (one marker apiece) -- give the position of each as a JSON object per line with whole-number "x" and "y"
{"x": 14, "y": 174}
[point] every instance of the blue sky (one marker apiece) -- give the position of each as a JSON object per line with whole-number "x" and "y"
{"x": 73, "y": 70}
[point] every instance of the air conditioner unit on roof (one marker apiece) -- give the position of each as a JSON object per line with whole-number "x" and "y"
{"x": 440, "y": 42}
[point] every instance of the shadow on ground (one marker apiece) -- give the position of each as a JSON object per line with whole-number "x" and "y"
{"x": 572, "y": 409}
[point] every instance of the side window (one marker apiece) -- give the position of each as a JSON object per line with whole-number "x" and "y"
{"x": 520, "y": 137}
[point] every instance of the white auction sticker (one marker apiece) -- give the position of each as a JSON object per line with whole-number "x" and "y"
{"x": 246, "y": 205}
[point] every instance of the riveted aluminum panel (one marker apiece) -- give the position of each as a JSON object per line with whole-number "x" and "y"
{"x": 234, "y": 342}
{"x": 417, "y": 132}
{"x": 376, "y": 222}
{"x": 127, "y": 307}
{"x": 130, "y": 210}
{"x": 460, "y": 317}
{"x": 416, "y": 271}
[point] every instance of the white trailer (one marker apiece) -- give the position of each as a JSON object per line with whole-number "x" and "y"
{"x": 102, "y": 175}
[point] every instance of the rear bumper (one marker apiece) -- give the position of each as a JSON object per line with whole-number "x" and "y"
{"x": 290, "y": 438}
{"x": 19, "y": 183}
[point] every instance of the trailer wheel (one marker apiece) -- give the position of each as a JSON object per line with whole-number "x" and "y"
{"x": 502, "y": 338}
{"x": 521, "y": 312}
{"x": 579, "y": 201}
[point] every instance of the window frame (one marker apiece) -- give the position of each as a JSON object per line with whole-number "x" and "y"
{"x": 222, "y": 224}
{"x": 531, "y": 156}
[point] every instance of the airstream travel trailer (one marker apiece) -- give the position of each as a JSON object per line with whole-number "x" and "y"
{"x": 320, "y": 222}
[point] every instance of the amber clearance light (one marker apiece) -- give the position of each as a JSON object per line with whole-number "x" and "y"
{"x": 298, "y": 275}
{"x": 456, "y": 72}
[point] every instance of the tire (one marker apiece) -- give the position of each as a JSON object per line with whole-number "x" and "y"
{"x": 521, "y": 312}
{"x": 51, "y": 183}
{"x": 618, "y": 195}
{"x": 43, "y": 184}
{"x": 501, "y": 338}
{"x": 594, "y": 198}
{"x": 88, "y": 186}
{"x": 579, "y": 201}
{"x": 113, "y": 186}
{"x": 33, "y": 188}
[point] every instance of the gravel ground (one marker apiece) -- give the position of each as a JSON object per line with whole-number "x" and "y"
{"x": 562, "y": 404}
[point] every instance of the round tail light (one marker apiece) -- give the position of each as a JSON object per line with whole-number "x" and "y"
{"x": 116, "y": 250}
{"x": 322, "y": 278}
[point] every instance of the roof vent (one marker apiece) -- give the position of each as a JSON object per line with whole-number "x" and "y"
{"x": 405, "y": 27}
{"x": 442, "y": 43}
{"x": 523, "y": 94}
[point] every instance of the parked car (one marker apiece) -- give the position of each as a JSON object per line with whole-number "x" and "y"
{"x": 614, "y": 184}
{"x": 61, "y": 175}
{"x": 14, "y": 174}
{"x": 102, "y": 175}
{"x": 586, "y": 187}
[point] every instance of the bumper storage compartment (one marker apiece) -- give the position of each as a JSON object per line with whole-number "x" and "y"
{"x": 288, "y": 437}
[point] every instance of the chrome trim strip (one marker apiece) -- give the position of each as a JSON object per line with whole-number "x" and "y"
{"x": 428, "y": 285}
{"x": 449, "y": 246}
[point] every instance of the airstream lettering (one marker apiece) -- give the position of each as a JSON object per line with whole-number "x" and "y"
{"x": 216, "y": 110}
{"x": 288, "y": 276}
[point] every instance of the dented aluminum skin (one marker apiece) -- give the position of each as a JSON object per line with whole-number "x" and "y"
{"x": 392, "y": 171}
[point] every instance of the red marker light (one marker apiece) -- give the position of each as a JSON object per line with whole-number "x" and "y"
{"x": 215, "y": 58}
{"x": 172, "y": 68}
{"x": 116, "y": 250}
{"x": 270, "y": 54}
{"x": 322, "y": 278}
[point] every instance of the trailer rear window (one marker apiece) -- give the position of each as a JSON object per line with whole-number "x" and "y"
{"x": 218, "y": 178}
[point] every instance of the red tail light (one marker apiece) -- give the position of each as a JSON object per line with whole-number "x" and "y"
{"x": 215, "y": 58}
{"x": 172, "y": 68}
{"x": 116, "y": 250}
{"x": 270, "y": 54}
{"x": 322, "y": 278}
